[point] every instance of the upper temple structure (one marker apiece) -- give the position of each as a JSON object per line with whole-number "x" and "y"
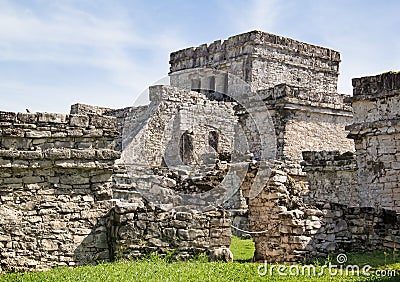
{"x": 250, "y": 137}
{"x": 263, "y": 60}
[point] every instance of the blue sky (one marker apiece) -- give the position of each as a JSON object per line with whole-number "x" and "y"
{"x": 56, "y": 53}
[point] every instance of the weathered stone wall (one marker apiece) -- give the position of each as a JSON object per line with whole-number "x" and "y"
{"x": 332, "y": 178}
{"x": 55, "y": 188}
{"x": 139, "y": 228}
{"x": 264, "y": 60}
{"x": 288, "y": 229}
{"x": 354, "y": 229}
{"x": 296, "y": 80}
{"x": 315, "y": 131}
{"x": 65, "y": 202}
{"x": 120, "y": 115}
{"x": 282, "y": 224}
{"x": 376, "y": 132}
{"x": 306, "y": 120}
{"x": 173, "y": 114}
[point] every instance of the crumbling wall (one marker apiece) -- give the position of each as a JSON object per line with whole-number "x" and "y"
{"x": 64, "y": 202}
{"x": 332, "y": 178}
{"x": 135, "y": 115}
{"x": 136, "y": 229}
{"x": 354, "y": 229}
{"x": 281, "y": 223}
{"x": 376, "y": 132}
{"x": 289, "y": 229}
{"x": 55, "y": 188}
{"x": 173, "y": 114}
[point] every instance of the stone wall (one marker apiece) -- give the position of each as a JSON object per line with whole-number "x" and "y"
{"x": 281, "y": 223}
{"x": 376, "y": 132}
{"x": 354, "y": 229}
{"x": 55, "y": 188}
{"x": 264, "y": 60}
{"x": 176, "y": 128}
{"x": 332, "y": 178}
{"x": 297, "y": 82}
{"x": 305, "y": 120}
{"x": 136, "y": 229}
{"x": 288, "y": 229}
{"x": 64, "y": 202}
{"x": 67, "y": 198}
{"x": 120, "y": 115}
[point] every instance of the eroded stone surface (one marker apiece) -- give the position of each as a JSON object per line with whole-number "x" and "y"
{"x": 67, "y": 197}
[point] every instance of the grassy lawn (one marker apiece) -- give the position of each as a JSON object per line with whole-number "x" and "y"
{"x": 155, "y": 268}
{"x": 243, "y": 250}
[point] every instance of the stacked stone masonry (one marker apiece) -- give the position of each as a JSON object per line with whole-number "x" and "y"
{"x": 137, "y": 229}
{"x": 56, "y": 183}
{"x": 306, "y": 121}
{"x": 332, "y": 178}
{"x": 264, "y": 60}
{"x": 104, "y": 184}
{"x": 376, "y": 133}
{"x": 289, "y": 227}
{"x": 59, "y": 198}
{"x": 173, "y": 113}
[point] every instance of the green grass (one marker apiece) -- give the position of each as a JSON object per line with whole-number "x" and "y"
{"x": 155, "y": 268}
{"x": 243, "y": 250}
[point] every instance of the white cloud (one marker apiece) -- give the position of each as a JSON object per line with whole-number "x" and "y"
{"x": 64, "y": 35}
{"x": 111, "y": 51}
{"x": 254, "y": 14}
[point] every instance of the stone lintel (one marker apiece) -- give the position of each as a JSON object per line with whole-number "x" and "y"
{"x": 287, "y": 94}
{"x": 299, "y": 106}
{"x": 328, "y": 161}
{"x": 389, "y": 126}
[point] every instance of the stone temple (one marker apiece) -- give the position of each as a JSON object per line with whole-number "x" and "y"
{"x": 250, "y": 137}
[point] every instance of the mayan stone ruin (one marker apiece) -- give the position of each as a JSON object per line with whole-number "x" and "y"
{"x": 250, "y": 138}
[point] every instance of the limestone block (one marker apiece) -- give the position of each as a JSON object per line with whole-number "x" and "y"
{"x": 7, "y": 116}
{"x": 74, "y": 132}
{"x": 27, "y": 117}
{"x": 104, "y": 177}
{"x": 183, "y": 216}
{"x": 79, "y": 121}
{"x": 106, "y": 154}
{"x": 169, "y": 232}
{"x": 57, "y": 153}
{"x": 74, "y": 179}
{"x": 32, "y": 179}
{"x": 83, "y": 154}
{"x": 93, "y": 132}
{"x": 102, "y": 121}
{"x": 220, "y": 222}
{"x": 29, "y": 155}
{"x": 52, "y": 118}
{"x": 37, "y": 134}
{"x": 341, "y": 225}
{"x": 49, "y": 245}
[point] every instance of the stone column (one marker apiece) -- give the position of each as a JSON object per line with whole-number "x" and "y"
{"x": 221, "y": 83}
